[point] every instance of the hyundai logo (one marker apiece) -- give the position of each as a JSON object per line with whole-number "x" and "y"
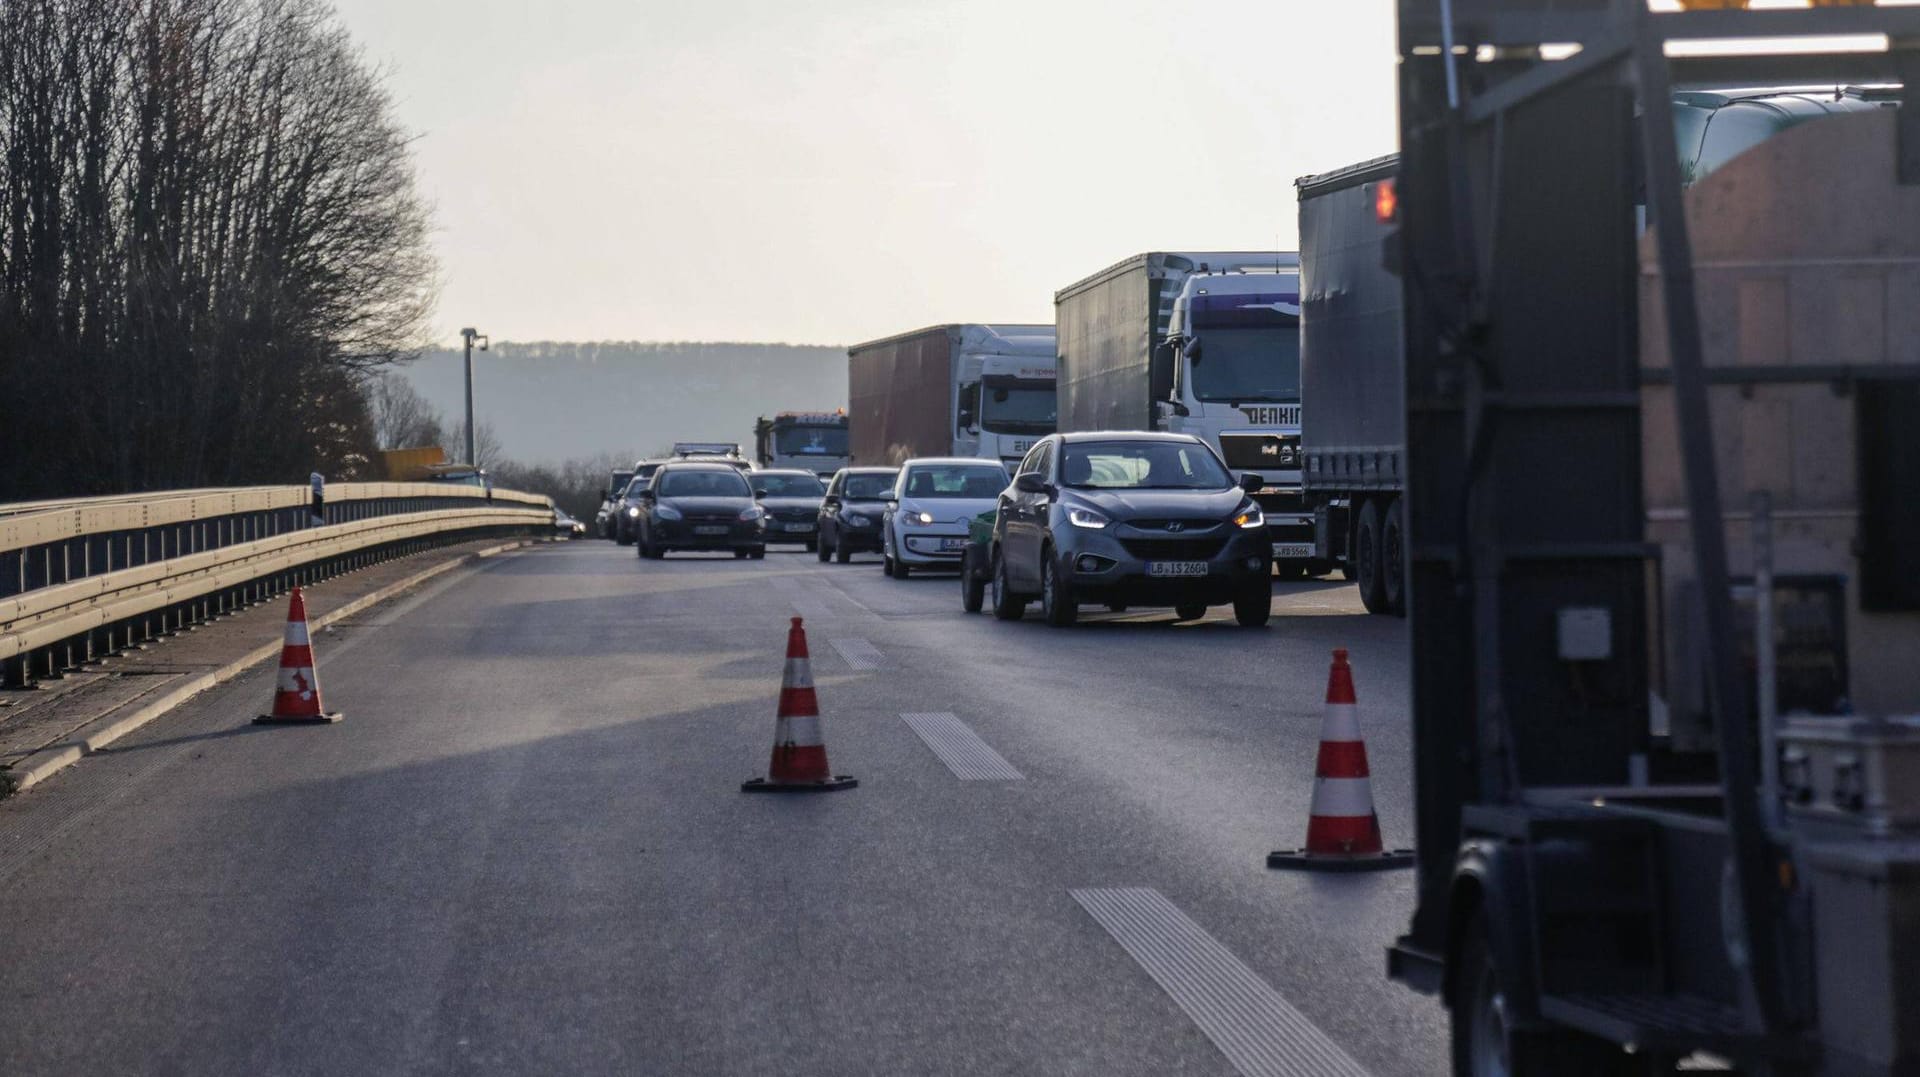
{"x": 1176, "y": 525}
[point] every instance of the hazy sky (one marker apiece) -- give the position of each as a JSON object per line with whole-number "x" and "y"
{"x": 827, "y": 171}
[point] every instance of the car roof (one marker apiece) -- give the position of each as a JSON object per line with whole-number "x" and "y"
{"x": 689, "y": 465}
{"x": 1127, "y": 435}
{"x": 784, "y": 471}
{"x": 870, "y": 470}
{"x": 952, "y": 461}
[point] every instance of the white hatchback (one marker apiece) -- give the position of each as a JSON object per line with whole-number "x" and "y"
{"x": 933, "y": 501}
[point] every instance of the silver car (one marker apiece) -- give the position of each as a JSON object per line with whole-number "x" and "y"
{"x": 934, "y": 498}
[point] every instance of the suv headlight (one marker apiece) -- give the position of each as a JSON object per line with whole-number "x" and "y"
{"x": 751, "y": 513}
{"x": 1250, "y": 517}
{"x": 1086, "y": 518}
{"x": 667, "y": 512}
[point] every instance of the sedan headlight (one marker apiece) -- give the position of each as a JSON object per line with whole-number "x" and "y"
{"x": 1086, "y": 518}
{"x": 1251, "y": 517}
{"x": 667, "y": 512}
{"x": 751, "y": 513}
{"x": 633, "y": 512}
{"x": 857, "y": 521}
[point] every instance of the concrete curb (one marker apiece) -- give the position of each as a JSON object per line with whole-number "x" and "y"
{"x": 48, "y": 761}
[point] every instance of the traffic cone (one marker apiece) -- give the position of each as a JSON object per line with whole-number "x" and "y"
{"x": 1343, "y": 833}
{"x": 296, "y": 699}
{"x": 799, "y": 752}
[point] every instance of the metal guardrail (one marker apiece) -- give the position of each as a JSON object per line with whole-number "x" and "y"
{"x": 88, "y": 577}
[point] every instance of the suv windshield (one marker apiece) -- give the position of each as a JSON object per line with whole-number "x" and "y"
{"x": 703, "y": 484}
{"x": 955, "y": 480}
{"x": 1007, "y": 409}
{"x": 872, "y": 487}
{"x": 1248, "y": 364}
{"x": 810, "y": 441}
{"x": 1141, "y": 465}
{"x": 774, "y": 484}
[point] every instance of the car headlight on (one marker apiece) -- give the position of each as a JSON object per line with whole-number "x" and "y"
{"x": 752, "y": 513}
{"x": 667, "y": 512}
{"x": 1086, "y": 518}
{"x": 914, "y": 518}
{"x": 633, "y": 512}
{"x": 1251, "y": 517}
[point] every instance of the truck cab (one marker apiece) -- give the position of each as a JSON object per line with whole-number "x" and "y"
{"x": 814, "y": 441}
{"x": 1005, "y": 404}
{"x": 1229, "y": 373}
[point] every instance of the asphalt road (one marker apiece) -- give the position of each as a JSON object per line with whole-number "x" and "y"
{"x": 525, "y": 849}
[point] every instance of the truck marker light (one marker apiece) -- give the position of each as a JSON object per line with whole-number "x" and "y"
{"x": 1386, "y": 202}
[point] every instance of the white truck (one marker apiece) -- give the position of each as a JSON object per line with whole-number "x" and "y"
{"x": 1206, "y": 344}
{"x": 815, "y": 441}
{"x": 951, "y": 390}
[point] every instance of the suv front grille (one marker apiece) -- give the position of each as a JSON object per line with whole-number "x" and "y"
{"x": 1199, "y": 549}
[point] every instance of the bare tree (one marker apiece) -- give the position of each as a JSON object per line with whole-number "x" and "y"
{"x": 402, "y": 418}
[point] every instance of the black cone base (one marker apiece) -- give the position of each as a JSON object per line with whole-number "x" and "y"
{"x": 302, "y": 719}
{"x": 1301, "y": 860}
{"x": 831, "y": 785}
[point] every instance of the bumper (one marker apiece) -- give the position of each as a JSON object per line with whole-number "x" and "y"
{"x": 857, "y": 539}
{"x": 1111, "y": 565}
{"x": 681, "y": 535}
{"x": 780, "y": 531}
{"x": 931, "y": 545}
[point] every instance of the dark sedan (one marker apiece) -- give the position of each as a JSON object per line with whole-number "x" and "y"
{"x": 1129, "y": 519}
{"x": 851, "y": 512}
{"x": 691, "y": 506}
{"x": 792, "y": 499}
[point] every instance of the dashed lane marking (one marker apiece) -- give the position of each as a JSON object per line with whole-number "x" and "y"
{"x": 961, "y": 749}
{"x": 1258, "y": 1031}
{"x": 858, "y": 653}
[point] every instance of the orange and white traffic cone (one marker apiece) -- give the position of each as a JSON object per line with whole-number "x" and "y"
{"x": 296, "y": 699}
{"x": 799, "y": 751}
{"x": 1343, "y": 832}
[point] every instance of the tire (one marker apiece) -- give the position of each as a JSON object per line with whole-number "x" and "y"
{"x": 1006, "y": 605}
{"x": 624, "y": 538}
{"x": 1116, "y": 607}
{"x": 739, "y": 555}
{"x": 1393, "y": 564}
{"x": 1365, "y": 558}
{"x": 823, "y": 551}
{"x": 812, "y": 545}
{"x": 842, "y": 555}
{"x": 973, "y": 589}
{"x": 1192, "y": 611}
{"x": 886, "y": 563}
{"x": 1253, "y": 607}
{"x": 1057, "y": 601}
{"x": 1486, "y": 1045}
{"x": 901, "y": 570}
{"x": 758, "y": 553}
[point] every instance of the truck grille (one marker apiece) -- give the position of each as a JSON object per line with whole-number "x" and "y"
{"x": 1200, "y": 549}
{"x": 1278, "y": 452}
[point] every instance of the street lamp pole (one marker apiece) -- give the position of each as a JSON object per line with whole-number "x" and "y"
{"x": 469, "y": 336}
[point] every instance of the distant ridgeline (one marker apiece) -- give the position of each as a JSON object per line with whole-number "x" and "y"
{"x": 549, "y": 401}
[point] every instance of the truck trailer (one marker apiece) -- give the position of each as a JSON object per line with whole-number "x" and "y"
{"x": 1197, "y": 343}
{"x": 951, "y": 390}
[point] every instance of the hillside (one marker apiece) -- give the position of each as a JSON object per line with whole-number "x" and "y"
{"x": 548, "y": 402}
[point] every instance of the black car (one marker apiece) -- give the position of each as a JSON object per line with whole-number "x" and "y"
{"x": 1129, "y": 519}
{"x": 850, "y": 513}
{"x": 627, "y": 510}
{"x": 792, "y": 499}
{"x": 694, "y": 506}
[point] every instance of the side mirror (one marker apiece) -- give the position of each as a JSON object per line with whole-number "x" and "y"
{"x": 1253, "y": 484}
{"x": 647, "y": 496}
{"x": 831, "y": 501}
{"x": 1160, "y": 372}
{"x": 893, "y": 506}
{"x": 758, "y": 494}
{"x": 1030, "y": 482}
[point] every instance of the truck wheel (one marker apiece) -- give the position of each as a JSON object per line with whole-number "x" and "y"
{"x": 1486, "y": 1044}
{"x": 1365, "y": 559}
{"x": 1192, "y": 611}
{"x": 1253, "y": 606}
{"x": 1393, "y": 565}
{"x": 973, "y": 589}
{"x": 1006, "y": 606}
{"x": 1057, "y": 601}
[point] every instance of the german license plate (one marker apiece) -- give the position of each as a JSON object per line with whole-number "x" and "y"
{"x": 710, "y": 529}
{"x": 952, "y": 545}
{"x": 802, "y": 528}
{"x": 1298, "y": 550}
{"x": 1176, "y": 568}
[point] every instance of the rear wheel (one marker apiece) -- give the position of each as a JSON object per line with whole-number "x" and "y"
{"x": 1253, "y": 606}
{"x": 1056, "y": 594}
{"x": 1192, "y": 611}
{"x": 1393, "y": 567}
{"x": 973, "y": 589}
{"x": 1006, "y": 606}
{"x": 758, "y": 553}
{"x": 1366, "y": 559}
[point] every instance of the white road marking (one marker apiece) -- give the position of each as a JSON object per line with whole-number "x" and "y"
{"x": 858, "y": 653}
{"x": 1259, "y": 1032}
{"x": 961, "y": 749}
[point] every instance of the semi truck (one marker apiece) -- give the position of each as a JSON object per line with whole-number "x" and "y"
{"x": 1662, "y": 589}
{"x": 813, "y": 440}
{"x": 1197, "y": 343}
{"x": 1351, "y": 373}
{"x": 973, "y": 389}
